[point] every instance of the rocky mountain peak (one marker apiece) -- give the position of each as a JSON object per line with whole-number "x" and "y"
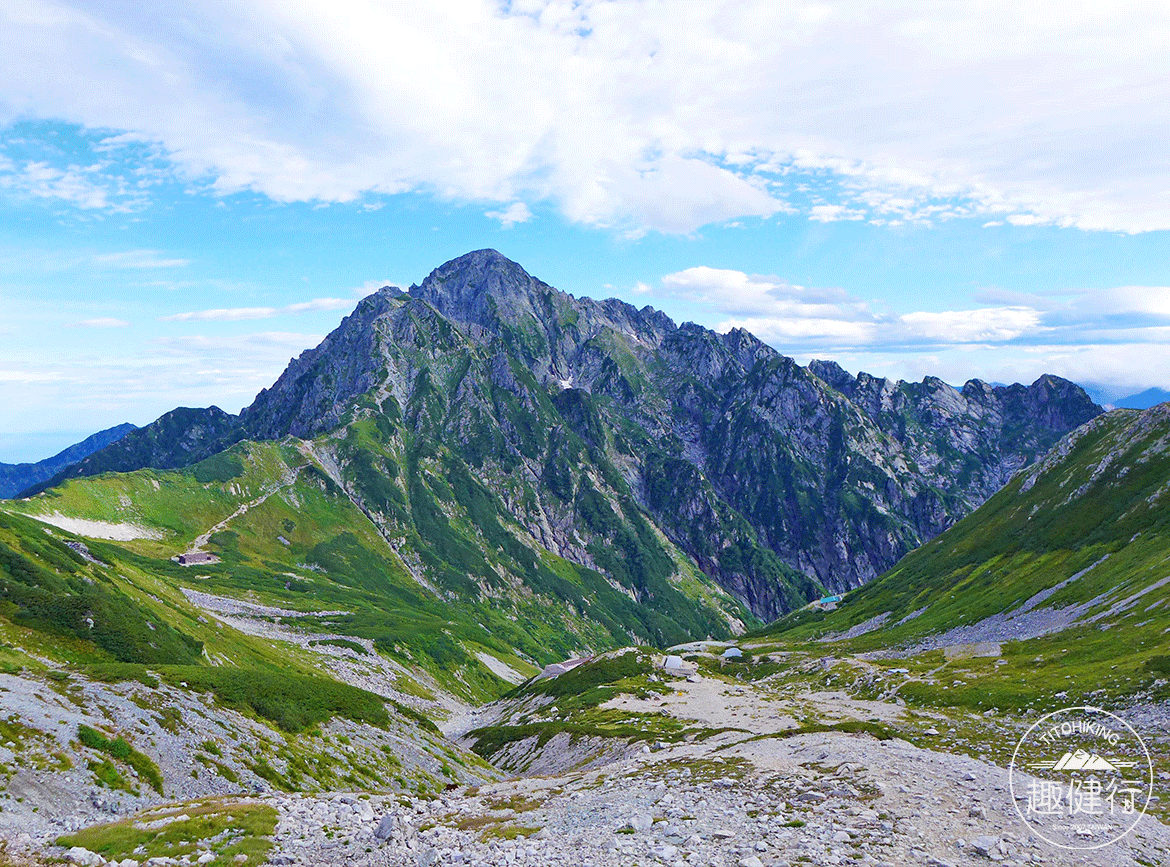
{"x": 481, "y": 288}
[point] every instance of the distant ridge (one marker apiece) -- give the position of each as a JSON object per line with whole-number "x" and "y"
{"x": 1143, "y": 399}
{"x": 15, "y": 478}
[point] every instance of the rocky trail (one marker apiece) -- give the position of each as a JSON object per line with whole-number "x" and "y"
{"x": 200, "y": 542}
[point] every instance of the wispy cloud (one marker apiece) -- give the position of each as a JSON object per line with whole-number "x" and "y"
{"x": 1016, "y": 336}
{"x": 833, "y": 213}
{"x": 70, "y": 185}
{"x": 222, "y": 314}
{"x": 639, "y": 115}
{"x": 200, "y": 343}
{"x": 318, "y": 304}
{"x": 138, "y": 259}
{"x": 102, "y": 322}
{"x": 139, "y": 382}
{"x": 30, "y": 377}
{"x": 239, "y": 314}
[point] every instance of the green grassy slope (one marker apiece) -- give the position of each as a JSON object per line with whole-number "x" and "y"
{"x": 97, "y": 632}
{"x": 1087, "y": 528}
{"x": 399, "y": 533}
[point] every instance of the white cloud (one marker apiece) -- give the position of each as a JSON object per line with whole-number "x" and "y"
{"x": 517, "y": 212}
{"x": 1026, "y": 220}
{"x": 138, "y": 259}
{"x": 833, "y": 213}
{"x": 138, "y": 383}
{"x": 637, "y": 115}
{"x": 1148, "y": 300}
{"x": 103, "y": 322}
{"x": 239, "y": 314}
{"x": 736, "y": 293}
{"x": 1117, "y": 337}
{"x": 981, "y": 325}
{"x": 910, "y": 331}
{"x": 787, "y": 332}
{"x": 318, "y": 304}
{"x": 830, "y": 319}
{"x": 284, "y": 340}
{"x": 29, "y": 377}
{"x": 222, "y": 314}
{"x": 70, "y": 185}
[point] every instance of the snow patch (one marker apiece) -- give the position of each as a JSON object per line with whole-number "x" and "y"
{"x": 499, "y": 668}
{"x": 126, "y": 532}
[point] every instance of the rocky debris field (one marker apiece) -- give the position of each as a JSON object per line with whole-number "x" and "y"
{"x": 822, "y": 799}
{"x": 51, "y": 784}
{"x": 753, "y": 791}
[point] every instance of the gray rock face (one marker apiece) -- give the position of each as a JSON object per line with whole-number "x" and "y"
{"x": 779, "y": 481}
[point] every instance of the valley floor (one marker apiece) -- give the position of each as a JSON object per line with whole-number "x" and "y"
{"x": 747, "y": 791}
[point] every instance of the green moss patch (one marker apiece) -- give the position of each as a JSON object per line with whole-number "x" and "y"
{"x": 292, "y": 702}
{"x": 224, "y": 828}
{"x": 121, "y": 750}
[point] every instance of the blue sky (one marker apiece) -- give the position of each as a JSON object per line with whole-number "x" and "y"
{"x": 189, "y": 200}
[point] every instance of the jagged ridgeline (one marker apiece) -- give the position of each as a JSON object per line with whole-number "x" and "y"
{"x": 567, "y": 473}
{"x": 1063, "y": 572}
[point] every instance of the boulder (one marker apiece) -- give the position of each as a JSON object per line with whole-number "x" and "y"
{"x": 639, "y": 822}
{"x": 986, "y": 845}
{"x": 385, "y": 829}
{"x": 79, "y": 855}
{"x": 665, "y": 851}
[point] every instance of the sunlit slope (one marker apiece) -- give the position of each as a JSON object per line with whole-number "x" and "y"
{"x": 417, "y": 553}
{"x": 113, "y": 677}
{"x": 1070, "y": 562}
{"x": 86, "y": 603}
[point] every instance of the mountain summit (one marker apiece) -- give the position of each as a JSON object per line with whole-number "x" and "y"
{"x": 482, "y": 288}
{"x": 606, "y": 434}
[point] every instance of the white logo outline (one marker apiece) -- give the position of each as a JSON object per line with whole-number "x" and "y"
{"x": 1074, "y": 759}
